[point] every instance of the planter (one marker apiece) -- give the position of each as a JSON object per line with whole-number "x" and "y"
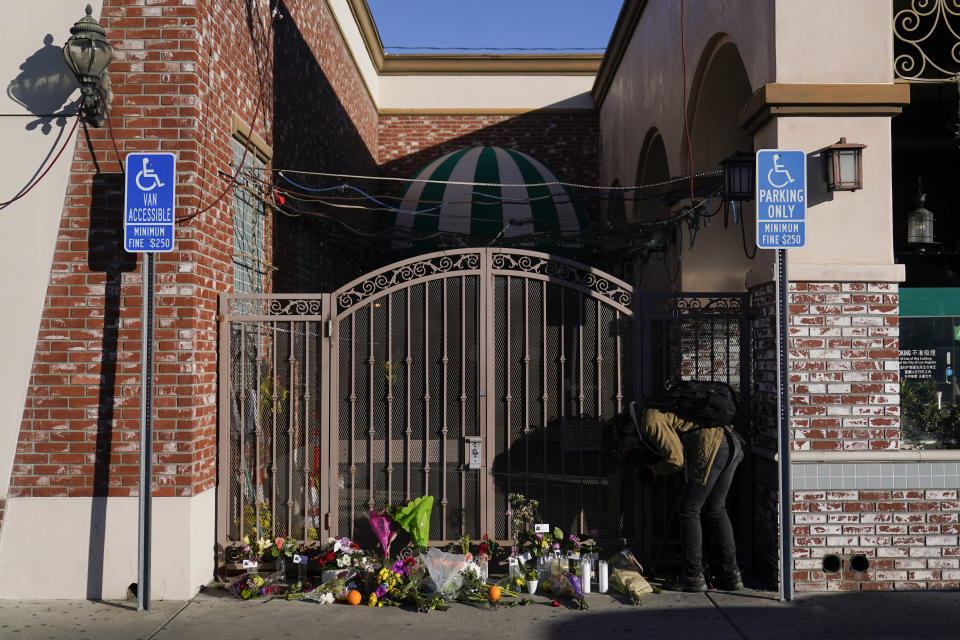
{"x": 532, "y": 586}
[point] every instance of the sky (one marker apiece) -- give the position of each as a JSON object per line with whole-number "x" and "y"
{"x": 567, "y": 25}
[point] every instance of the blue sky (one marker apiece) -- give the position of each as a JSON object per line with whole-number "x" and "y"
{"x": 563, "y": 24}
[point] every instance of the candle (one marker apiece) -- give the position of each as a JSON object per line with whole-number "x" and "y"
{"x": 602, "y": 576}
{"x": 585, "y": 574}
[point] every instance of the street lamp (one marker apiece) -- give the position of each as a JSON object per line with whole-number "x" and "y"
{"x": 88, "y": 54}
{"x": 845, "y": 166}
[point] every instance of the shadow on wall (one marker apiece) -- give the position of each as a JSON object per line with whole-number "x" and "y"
{"x": 44, "y": 86}
{"x": 105, "y": 255}
{"x": 313, "y": 131}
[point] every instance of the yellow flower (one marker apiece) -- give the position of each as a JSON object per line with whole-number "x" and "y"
{"x": 372, "y": 600}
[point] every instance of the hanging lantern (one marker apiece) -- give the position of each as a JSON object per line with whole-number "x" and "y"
{"x": 738, "y": 176}
{"x": 920, "y": 222}
{"x": 844, "y": 166}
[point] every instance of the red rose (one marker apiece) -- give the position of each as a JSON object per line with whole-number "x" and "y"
{"x": 555, "y": 603}
{"x": 483, "y": 548}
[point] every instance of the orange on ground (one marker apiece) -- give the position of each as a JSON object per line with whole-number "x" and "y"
{"x": 354, "y": 597}
{"x": 494, "y": 593}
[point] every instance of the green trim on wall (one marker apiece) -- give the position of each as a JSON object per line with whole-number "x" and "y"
{"x": 929, "y": 302}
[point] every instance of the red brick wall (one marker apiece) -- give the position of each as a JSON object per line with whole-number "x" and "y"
{"x": 567, "y": 143}
{"x": 844, "y": 368}
{"x": 180, "y": 70}
{"x": 909, "y": 536}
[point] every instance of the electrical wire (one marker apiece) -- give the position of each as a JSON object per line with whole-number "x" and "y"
{"x": 574, "y": 185}
{"x": 116, "y": 153}
{"x": 743, "y": 239}
{"x": 29, "y": 187}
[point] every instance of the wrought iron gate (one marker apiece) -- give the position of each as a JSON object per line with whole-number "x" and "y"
{"x": 339, "y": 403}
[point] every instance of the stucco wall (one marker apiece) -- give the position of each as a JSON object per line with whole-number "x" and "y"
{"x": 38, "y": 84}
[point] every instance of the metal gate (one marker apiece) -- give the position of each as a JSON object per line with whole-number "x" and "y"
{"x": 467, "y": 375}
{"x": 694, "y": 336}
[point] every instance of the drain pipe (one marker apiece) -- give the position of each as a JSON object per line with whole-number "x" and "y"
{"x": 783, "y": 433}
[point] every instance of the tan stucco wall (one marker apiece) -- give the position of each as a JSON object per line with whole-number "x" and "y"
{"x": 782, "y": 41}
{"x": 78, "y": 548}
{"x": 32, "y": 72}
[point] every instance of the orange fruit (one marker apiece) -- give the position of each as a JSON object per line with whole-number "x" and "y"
{"x": 494, "y": 593}
{"x": 354, "y": 597}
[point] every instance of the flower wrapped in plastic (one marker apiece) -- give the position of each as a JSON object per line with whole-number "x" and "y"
{"x": 251, "y": 585}
{"x": 626, "y": 576}
{"x": 384, "y": 528}
{"x": 444, "y": 569}
{"x": 564, "y": 583}
{"x": 414, "y": 518}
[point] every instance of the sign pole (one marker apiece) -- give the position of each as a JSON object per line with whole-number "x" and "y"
{"x": 146, "y": 436}
{"x": 783, "y": 433}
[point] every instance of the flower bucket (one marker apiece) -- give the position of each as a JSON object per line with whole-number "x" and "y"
{"x": 532, "y": 586}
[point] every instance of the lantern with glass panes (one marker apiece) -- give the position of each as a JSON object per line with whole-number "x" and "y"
{"x": 88, "y": 54}
{"x": 844, "y": 166}
{"x": 920, "y": 222}
{"x": 738, "y": 176}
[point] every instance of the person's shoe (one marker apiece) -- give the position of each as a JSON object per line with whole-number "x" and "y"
{"x": 687, "y": 584}
{"x": 728, "y": 581}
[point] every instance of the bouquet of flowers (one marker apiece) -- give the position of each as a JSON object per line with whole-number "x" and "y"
{"x": 626, "y": 576}
{"x": 256, "y": 548}
{"x": 444, "y": 569}
{"x": 251, "y": 585}
{"x": 565, "y": 583}
{"x": 385, "y": 528}
{"x": 339, "y": 555}
{"x": 414, "y": 518}
{"x": 283, "y": 547}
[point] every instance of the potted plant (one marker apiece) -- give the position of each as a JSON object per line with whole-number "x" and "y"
{"x": 533, "y": 579}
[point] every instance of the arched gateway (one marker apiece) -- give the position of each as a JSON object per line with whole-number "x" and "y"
{"x": 467, "y": 374}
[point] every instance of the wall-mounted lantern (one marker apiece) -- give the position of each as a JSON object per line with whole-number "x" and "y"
{"x": 844, "y": 166}
{"x": 738, "y": 176}
{"x": 88, "y": 54}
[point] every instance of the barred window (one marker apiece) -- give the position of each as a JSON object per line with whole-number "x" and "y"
{"x": 249, "y": 261}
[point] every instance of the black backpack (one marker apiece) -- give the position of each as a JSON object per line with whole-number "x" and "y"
{"x": 707, "y": 403}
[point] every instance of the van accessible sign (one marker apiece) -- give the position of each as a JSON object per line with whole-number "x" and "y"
{"x": 148, "y": 201}
{"x": 781, "y": 199}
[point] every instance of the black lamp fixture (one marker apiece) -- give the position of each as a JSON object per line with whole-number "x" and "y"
{"x": 738, "y": 176}
{"x": 88, "y": 54}
{"x": 844, "y": 166}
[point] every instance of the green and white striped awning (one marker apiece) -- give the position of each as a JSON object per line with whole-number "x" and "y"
{"x": 517, "y": 197}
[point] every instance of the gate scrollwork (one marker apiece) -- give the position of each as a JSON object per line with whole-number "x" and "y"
{"x": 583, "y": 278}
{"x": 926, "y": 39}
{"x": 407, "y": 272}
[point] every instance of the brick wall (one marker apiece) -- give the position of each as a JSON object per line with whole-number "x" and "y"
{"x": 567, "y": 143}
{"x": 180, "y": 70}
{"x": 908, "y": 536}
{"x": 844, "y": 369}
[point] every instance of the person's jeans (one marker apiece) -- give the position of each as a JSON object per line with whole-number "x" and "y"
{"x": 711, "y": 500}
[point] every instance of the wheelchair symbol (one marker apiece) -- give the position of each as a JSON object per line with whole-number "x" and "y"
{"x": 147, "y": 172}
{"x": 777, "y": 169}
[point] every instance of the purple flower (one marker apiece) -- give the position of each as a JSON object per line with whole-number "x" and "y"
{"x": 556, "y": 545}
{"x": 594, "y": 533}
{"x": 539, "y": 536}
{"x": 381, "y": 591}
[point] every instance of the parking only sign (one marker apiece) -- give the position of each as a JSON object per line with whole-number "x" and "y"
{"x": 781, "y": 199}
{"x": 148, "y": 202}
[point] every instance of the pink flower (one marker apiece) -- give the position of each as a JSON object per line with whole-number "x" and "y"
{"x": 278, "y": 543}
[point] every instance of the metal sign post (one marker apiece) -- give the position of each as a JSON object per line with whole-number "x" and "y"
{"x": 781, "y": 183}
{"x": 148, "y": 221}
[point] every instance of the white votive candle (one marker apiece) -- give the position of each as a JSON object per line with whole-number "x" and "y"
{"x": 602, "y": 577}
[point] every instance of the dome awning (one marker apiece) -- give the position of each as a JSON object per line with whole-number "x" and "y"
{"x": 519, "y": 197}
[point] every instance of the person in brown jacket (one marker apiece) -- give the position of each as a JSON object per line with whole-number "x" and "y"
{"x": 709, "y": 458}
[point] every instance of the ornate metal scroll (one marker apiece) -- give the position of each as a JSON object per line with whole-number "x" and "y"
{"x": 260, "y": 306}
{"x": 437, "y": 264}
{"x": 696, "y": 305}
{"x": 926, "y": 41}
{"x": 580, "y": 277}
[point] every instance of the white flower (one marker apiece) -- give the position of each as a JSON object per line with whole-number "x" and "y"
{"x": 343, "y": 561}
{"x": 326, "y": 598}
{"x": 473, "y": 566}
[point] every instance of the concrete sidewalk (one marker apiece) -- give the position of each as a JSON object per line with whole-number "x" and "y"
{"x": 716, "y": 615}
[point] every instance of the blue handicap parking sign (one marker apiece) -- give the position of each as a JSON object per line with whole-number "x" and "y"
{"x": 781, "y": 199}
{"x": 148, "y": 202}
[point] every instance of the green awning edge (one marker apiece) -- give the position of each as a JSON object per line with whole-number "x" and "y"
{"x": 929, "y": 302}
